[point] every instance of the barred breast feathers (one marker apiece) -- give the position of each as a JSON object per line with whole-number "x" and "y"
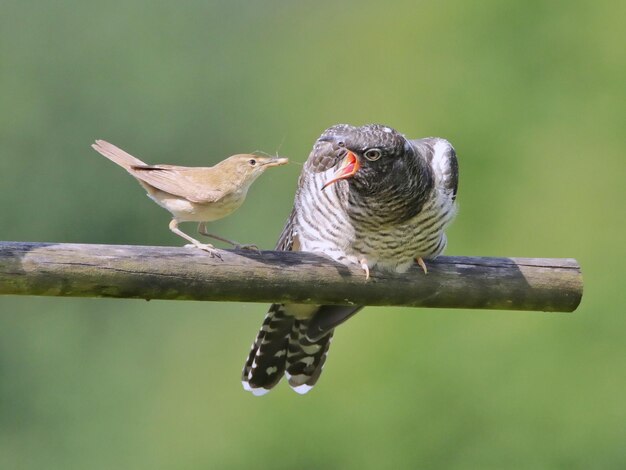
{"x": 321, "y": 220}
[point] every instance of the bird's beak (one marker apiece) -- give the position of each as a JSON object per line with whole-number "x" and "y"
{"x": 348, "y": 168}
{"x": 276, "y": 161}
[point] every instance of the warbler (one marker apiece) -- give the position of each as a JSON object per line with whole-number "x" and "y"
{"x": 195, "y": 194}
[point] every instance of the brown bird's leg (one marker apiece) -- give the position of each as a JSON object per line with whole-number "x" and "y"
{"x": 203, "y": 246}
{"x": 420, "y": 261}
{"x": 238, "y": 246}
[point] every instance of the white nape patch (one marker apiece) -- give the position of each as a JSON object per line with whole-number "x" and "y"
{"x": 302, "y": 389}
{"x": 439, "y": 150}
{"x": 387, "y": 130}
{"x": 271, "y": 370}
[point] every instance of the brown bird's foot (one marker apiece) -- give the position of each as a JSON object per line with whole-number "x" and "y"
{"x": 210, "y": 249}
{"x": 237, "y": 246}
{"x": 366, "y": 268}
{"x": 420, "y": 261}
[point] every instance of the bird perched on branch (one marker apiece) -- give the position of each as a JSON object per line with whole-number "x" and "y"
{"x": 195, "y": 194}
{"x": 366, "y": 196}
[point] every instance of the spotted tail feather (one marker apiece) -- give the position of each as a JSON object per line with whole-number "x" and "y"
{"x": 305, "y": 357}
{"x": 282, "y": 347}
{"x": 268, "y": 357}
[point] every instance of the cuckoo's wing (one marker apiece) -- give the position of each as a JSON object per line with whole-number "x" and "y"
{"x": 327, "y": 318}
{"x": 288, "y": 240}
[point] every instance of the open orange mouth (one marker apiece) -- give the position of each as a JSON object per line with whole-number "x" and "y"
{"x": 348, "y": 168}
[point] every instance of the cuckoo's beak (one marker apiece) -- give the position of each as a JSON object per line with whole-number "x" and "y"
{"x": 348, "y": 168}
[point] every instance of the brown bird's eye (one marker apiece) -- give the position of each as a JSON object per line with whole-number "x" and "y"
{"x": 252, "y": 161}
{"x": 373, "y": 154}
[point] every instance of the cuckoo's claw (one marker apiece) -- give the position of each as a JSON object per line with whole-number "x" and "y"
{"x": 366, "y": 268}
{"x": 420, "y": 261}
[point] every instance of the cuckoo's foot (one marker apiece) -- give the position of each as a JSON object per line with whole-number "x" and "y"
{"x": 420, "y": 261}
{"x": 366, "y": 268}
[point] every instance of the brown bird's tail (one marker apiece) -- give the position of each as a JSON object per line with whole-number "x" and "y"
{"x": 282, "y": 347}
{"x": 116, "y": 154}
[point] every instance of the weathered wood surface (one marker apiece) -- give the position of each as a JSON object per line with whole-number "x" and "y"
{"x": 146, "y": 272}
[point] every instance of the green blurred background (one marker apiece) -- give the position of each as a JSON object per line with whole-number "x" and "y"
{"x": 530, "y": 93}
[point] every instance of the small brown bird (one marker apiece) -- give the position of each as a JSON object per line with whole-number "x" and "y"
{"x": 195, "y": 194}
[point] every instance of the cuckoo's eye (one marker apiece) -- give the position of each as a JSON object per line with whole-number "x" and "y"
{"x": 341, "y": 143}
{"x": 373, "y": 154}
{"x": 252, "y": 162}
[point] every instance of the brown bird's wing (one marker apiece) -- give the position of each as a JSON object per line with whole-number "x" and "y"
{"x": 174, "y": 180}
{"x": 168, "y": 178}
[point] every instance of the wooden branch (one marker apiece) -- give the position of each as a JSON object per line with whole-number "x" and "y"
{"x": 147, "y": 272}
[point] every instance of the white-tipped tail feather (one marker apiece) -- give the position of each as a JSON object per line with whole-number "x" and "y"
{"x": 282, "y": 348}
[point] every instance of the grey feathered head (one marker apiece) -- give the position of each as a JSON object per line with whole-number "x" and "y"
{"x": 371, "y": 157}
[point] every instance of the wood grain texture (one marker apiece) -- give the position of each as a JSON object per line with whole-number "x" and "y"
{"x": 147, "y": 272}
